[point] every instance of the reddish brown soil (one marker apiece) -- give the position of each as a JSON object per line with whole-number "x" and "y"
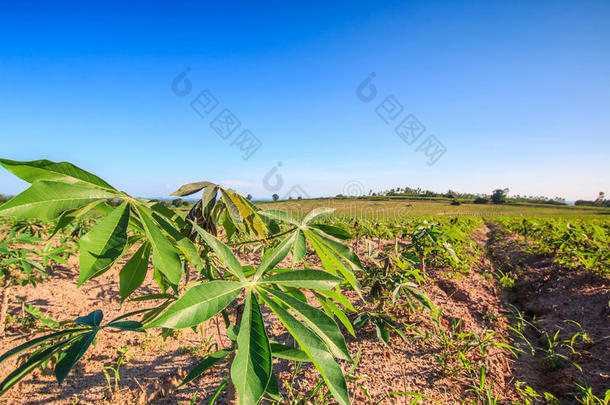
{"x": 551, "y": 294}
{"x": 154, "y": 366}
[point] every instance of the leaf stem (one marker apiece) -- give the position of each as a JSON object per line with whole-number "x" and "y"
{"x": 264, "y": 240}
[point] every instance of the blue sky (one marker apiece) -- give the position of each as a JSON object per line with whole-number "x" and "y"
{"x": 518, "y": 93}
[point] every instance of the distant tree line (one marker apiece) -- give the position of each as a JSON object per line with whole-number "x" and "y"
{"x": 4, "y": 198}
{"x": 498, "y": 196}
{"x": 600, "y": 201}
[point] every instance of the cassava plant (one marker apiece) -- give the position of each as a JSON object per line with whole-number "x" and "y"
{"x": 139, "y": 229}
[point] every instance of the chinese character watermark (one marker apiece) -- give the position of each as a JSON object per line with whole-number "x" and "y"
{"x": 409, "y": 129}
{"x": 225, "y": 123}
{"x": 248, "y": 143}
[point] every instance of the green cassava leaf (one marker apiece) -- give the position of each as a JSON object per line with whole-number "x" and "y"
{"x": 299, "y": 247}
{"x": 165, "y": 257}
{"x": 287, "y": 352}
{"x": 323, "y": 325}
{"x": 251, "y": 368}
{"x": 66, "y": 172}
{"x": 332, "y": 230}
{"x": 382, "y": 331}
{"x": 70, "y": 215}
{"x": 274, "y": 257}
{"x": 309, "y": 279}
{"x": 198, "y": 304}
{"x": 47, "y": 199}
{"x": 411, "y": 290}
{"x": 340, "y": 298}
{"x": 332, "y": 261}
{"x": 32, "y": 362}
{"x": 278, "y": 215}
{"x": 162, "y": 209}
{"x": 94, "y": 319}
{"x": 316, "y": 213}
{"x": 186, "y": 246}
{"x": 133, "y": 326}
{"x": 132, "y": 275}
{"x": 316, "y": 350}
{"x": 333, "y": 310}
{"x": 72, "y": 354}
{"x": 191, "y": 188}
{"x": 37, "y": 341}
{"x": 102, "y": 246}
{"x": 223, "y": 252}
{"x": 339, "y": 248}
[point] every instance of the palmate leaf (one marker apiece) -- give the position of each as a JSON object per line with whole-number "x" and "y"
{"x": 338, "y": 247}
{"x": 331, "y": 230}
{"x": 340, "y": 298}
{"x": 232, "y": 208}
{"x": 323, "y": 325}
{"x": 278, "y": 254}
{"x": 102, "y": 246}
{"x": 411, "y": 290}
{"x": 132, "y": 275}
{"x": 278, "y": 215}
{"x": 251, "y": 368}
{"x": 198, "y": 304}
{"x": 299, "y": 247}
{"x": 165, "y": 257}
{"x": 70, "y": 344}
{"x": 333, "y": 310}
{"x": 315, "y": 214}
{"x": 191, "y": 188}
{"x": 37, "y": 170}
{"x": 77, "y": 340}
{"x": 186, "y": 246}
{"x": 48, "y": 199}
{"x": 94, "y": 319}
{"x": 68, "y": 216}
{"x": 308, "y": 279}
{"x": 382, "y": 331}
{"x": 72, "y": 354}
{"x": 316, "y": 350}
{"x": 162, "y": 209}
{"x": 245, "y": 210}
{"x": 287, "y": 352}
{"x": 32, "y": 362}
{"x": 326, "y": 241}
{"x": 223, "y": 252}
{"x": 332, "y": 261}
{"x": 37, "y": 341}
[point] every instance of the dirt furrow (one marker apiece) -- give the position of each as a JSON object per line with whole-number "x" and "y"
{"x": 564, "y": 314}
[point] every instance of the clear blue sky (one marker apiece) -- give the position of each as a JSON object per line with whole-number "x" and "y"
{"x": 518, "y": 92}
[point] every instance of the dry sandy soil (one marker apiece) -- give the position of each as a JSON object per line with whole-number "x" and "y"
{"x": 154, "y": 367}
{"x": 549, "y": 295}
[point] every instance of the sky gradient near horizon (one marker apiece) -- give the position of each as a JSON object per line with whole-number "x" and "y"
{"x": 517, "y": 92}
